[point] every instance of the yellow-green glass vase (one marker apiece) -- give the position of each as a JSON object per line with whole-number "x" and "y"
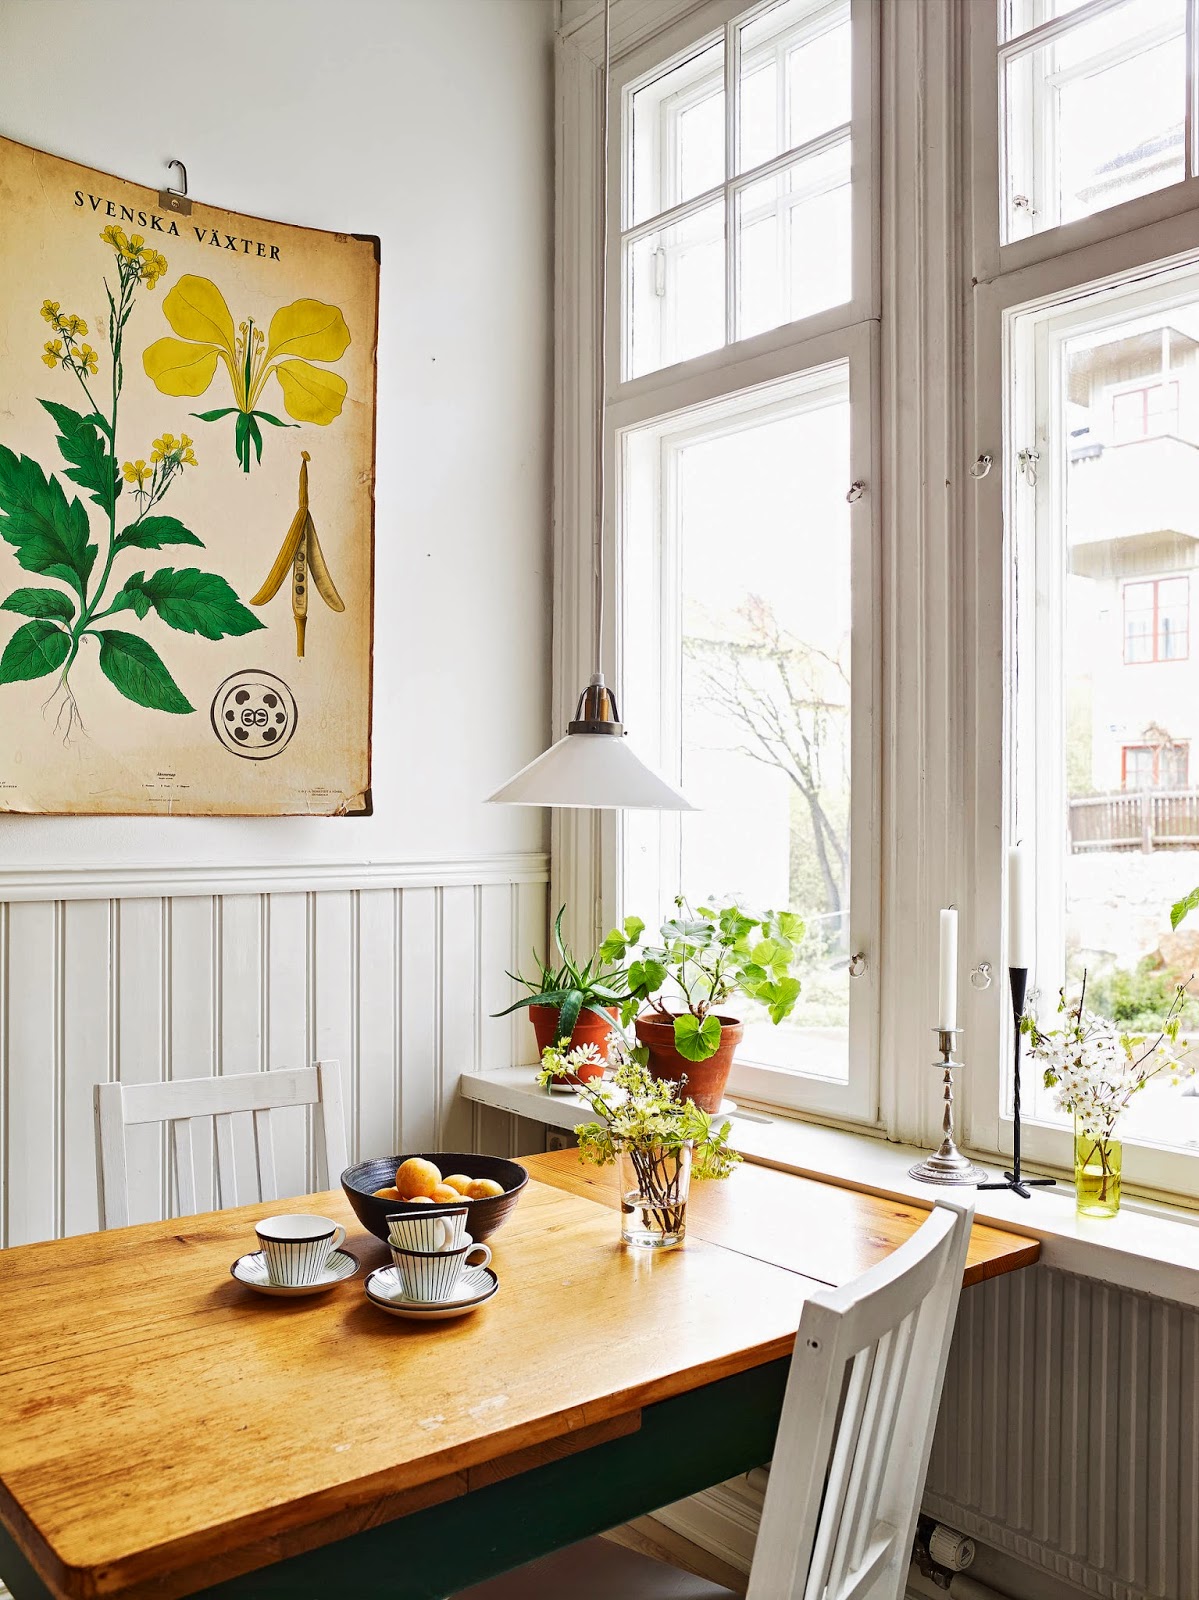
{"x": 1097, "y": 1164}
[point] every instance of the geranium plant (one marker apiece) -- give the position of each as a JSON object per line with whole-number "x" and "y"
{"x": 706, "y": 955}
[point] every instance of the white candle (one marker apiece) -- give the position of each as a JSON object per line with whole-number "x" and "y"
{"x": 1019, "y": 910}
{"x": 947, "y": 1011}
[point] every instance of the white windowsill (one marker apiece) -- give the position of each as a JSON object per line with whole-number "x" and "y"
{"x": 1156, "y": 1253}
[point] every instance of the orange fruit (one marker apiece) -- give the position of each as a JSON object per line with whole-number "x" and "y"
{"x": 421, "y": 1200}
{"x": 386, "y": 1194}
{"x": 444, "y": 1193}
{"x": 460, "y": 1182}
{"x": 417, "y": 1178}
{"x": 484, "y": 1189}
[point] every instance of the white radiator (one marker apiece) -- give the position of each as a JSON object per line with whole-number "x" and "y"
{"x": 1069, "y": 1433}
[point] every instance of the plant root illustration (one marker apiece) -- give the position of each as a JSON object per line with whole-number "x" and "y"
{"x": 301, "y": 554}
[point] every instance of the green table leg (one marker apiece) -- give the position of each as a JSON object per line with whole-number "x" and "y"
{"x": 683, "y": 1445}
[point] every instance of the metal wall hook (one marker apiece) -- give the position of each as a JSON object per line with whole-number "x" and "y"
{"x": 856, "y": 490}
{"x": 176, "y": 199}
{"x": 857, "y": 964}
{"x": 982, "y": 466}
{"x": 980, "y": 978}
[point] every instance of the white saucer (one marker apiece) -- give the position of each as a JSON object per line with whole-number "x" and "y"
{"x": 251, "y": 1270}
{"x": 474, "y": 1288}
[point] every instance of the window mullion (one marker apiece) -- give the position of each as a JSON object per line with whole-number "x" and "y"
{"x": 732, "y": 156}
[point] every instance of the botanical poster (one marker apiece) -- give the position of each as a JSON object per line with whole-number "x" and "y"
{"x": 187, "y": 415}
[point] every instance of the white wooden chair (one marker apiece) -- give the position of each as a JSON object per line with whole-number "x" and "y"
{"x": 236, "y": 1104}
{"x": 853, "y": 1441}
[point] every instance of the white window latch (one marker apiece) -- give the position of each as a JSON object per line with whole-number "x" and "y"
{"x": 660, "y": 273}
{"x": 1021, "y": 202}
{"x": 1026, "y": 462}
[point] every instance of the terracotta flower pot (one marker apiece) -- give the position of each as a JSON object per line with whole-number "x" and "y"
{"x": 589, "y": 1029}
{"x": 706, "y": 1080}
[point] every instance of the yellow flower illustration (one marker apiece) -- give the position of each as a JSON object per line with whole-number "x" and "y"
{"x": 53, "y": 353}
{"x": 137, "y": 260}
{"x": 73, "y": 325}
{"x": 50, "y": 310}
{"x": 174, "y": 452}
{"x": 300, "y": 334}
{"x": 87, "y": 358}
{"x": 136, "y": 472}
{"x": 115, "y": 237}
{"x": 153, "y": 267}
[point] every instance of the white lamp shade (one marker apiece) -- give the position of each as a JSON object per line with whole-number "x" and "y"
{"x": 594, "y": 772}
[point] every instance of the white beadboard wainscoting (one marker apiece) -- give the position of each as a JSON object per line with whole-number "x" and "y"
{"x": 144, "y": 974}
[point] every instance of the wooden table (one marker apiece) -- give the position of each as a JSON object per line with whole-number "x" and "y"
{"x": 165, "y": 1431}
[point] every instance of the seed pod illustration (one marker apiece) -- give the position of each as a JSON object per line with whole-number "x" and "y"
{"x": 302, "y": 556}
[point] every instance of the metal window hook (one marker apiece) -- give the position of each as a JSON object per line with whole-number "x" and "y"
{"x": 855, "y": 491}
{"x": 176, "y": 199}
{"x": 981, "y": 466}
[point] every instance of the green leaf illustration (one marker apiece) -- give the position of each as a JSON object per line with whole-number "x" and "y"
{"x": 215, "y": 416}
{"x": 191, "y": 601}
{"x": 49, "y": 535}
{"x": 137, "y": 670}
{"x": 155, "y": 533}
{"x": 89, "y": 462}
{"x": 40, "y": 603}
{"x": 37, "y": 648}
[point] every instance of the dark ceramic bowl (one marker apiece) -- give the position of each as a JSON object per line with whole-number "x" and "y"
{"x": 483, "y": 1217}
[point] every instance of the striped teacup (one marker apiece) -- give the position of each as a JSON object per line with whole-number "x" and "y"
{"x": 296, "y": 1247}
{"x": 430, "y": 1228}
{"x": 431, "y": 1275}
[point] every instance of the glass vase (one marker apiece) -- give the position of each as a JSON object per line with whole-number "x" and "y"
{"x": 1097, "y": 1163}
{"x": 653, "y": 1195}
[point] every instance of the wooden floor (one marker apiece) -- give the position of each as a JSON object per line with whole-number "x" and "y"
{"x": 599, "y": 1569}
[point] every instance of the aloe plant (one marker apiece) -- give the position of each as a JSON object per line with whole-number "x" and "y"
{"x": 596, "y": 985}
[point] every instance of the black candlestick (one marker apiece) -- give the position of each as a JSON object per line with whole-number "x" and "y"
{"x": 1015, "y": 1180}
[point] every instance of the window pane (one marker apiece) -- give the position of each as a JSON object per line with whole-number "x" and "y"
{"x": 675, "y": 291}
{"x": 1095, "y": 116}
{"x": 1110, "y": 713}
{"x": 677, "y": 136}
{"x": 1018, "y": 16}
{"x": 795, "y": 78}
{"x": 739, "y": 550}
{"x": 794, "y": 235}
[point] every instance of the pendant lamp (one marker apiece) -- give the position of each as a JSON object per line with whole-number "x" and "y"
{"x": 593, "y": 767}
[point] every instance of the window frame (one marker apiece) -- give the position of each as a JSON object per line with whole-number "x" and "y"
{"x": 856, "y": 1100}
{"x": 991, "y": 255}
{"x": 1004, "y": 421}
{"x": 1155, "y": 660}
{"x": 584, "y": 845}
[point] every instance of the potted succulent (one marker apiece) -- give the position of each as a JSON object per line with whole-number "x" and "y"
{"x": 706, "y": 956}
{"x": 572, "y": 1004}
{"x": 657, "y": 1138}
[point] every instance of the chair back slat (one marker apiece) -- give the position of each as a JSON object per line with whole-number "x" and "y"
{"x": 182, "y": 1133}
{"x": 840, "y": 1469}
{"x": 226, "y": 1159}
{"x": 264, "y": 1149}
{"x": 857, "y": 1424}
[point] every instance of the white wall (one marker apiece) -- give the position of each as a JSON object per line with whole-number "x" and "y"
{"x": 148, "y": 948}
{"x": 429, "y": 123}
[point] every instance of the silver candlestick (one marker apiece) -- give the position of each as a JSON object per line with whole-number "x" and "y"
{"x": 948, "y": 1165}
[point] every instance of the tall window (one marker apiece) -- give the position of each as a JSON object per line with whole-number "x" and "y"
{"x": 736, "y": 194}
{"x": 1108, "y": 697}
{"x": 1095, "y": 100}
{"x": 745, "y": 551}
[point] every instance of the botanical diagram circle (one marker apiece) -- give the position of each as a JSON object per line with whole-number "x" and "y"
{"x": 254, "y": 714}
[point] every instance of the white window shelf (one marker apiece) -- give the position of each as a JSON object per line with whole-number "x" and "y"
{"x": 1154, "y": 1250}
